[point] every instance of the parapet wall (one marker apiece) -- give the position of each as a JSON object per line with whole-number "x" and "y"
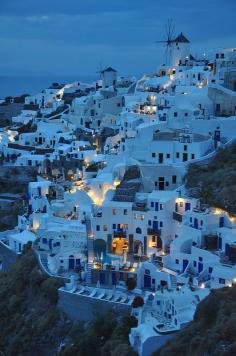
{"x": 82, "y": 308}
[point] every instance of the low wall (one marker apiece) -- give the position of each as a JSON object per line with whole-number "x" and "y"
{"x": 81, "y": 308}
{"x": 7, "y": 257}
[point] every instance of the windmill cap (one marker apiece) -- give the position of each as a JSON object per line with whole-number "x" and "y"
{"x": 181, "y": 38}
{"x": 108, "y": 69}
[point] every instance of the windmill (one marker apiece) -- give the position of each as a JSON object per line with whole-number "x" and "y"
{"x": 100, "y": 69}
{"x": 168, "y": 42}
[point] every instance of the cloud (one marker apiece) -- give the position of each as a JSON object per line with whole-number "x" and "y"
{"x": 37, "y": 18}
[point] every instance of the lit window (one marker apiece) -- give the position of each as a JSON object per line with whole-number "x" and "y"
{"x": 142, "y": 216}
{"x": 105, "y": 227}
{"x": 136, "y": 216}
{"x": 125, "y": 212}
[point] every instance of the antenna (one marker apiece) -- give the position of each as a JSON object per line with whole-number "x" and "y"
{"x": 169, "y": 30}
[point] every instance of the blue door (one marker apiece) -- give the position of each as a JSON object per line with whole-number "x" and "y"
{"x": 50, "y": 243}
{"x": 187, "y": 206}
{"x": 227, "y": 249}
{"x": 102, "y": 278}
{"x": 71, "y": 262}
{"x": 195, "y": 223}
{"x": 113, "y": 278}
{"x": 185, "y": 263}
{"x": 156, "y": 206}
{"x": 221, "y": 221}
{"x": 200, "y": 267}
{"x": 147, "y": 281}
{"x": 220, "y": 243}
{"x": 77, "y": 262}
{"x": 155, "y": 225}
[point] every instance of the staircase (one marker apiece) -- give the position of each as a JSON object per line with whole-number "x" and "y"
{"x": 90, "y": 240}
{"x": 173, "y": 281}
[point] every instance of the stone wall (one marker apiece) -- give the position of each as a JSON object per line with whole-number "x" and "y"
{"x": 7, "y": 257}
{"x": 81, "y": 308}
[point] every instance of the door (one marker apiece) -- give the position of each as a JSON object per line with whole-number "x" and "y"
{"x": 221, "y": 221}
{"x": 102, "y": 278}
{"x": 195, "y": 223}
{"x": 227, "y": 249}
{"x": 200, "y": 267}
{"x": 50, "y": 243}
{"x": 160, "y": 159}
{"x": 161, "y": 183}
{"x": 147, "y": 281}
{"x": 77, "y": 262}
{"x": 185, "y": 156}
{"x": 220, "y": 243}
{"x": 156, "y": 206}
{"x": 187, "y": 206}
{"x": 185, "y": 263}
{"x": 155, "y": 225}
{"x": 71, "y": 262}
{"x": 40, "y": 140}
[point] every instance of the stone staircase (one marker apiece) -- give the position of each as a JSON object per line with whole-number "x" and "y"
{"x": 173, "y": 282}
{"x": 90, "y": 247}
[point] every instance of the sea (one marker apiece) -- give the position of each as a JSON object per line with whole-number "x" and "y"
{"x": 17, "y": 85}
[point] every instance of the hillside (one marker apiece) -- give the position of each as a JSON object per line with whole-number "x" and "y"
{"x": 31, "y": 323}
{"x": 213, "y": 331}
{"x": 215, "y": 183}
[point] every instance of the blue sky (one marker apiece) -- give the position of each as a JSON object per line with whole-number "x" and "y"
{"x": 45, "y": 37}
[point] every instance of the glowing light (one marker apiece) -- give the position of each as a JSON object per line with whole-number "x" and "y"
{"x": 202, "y": 285}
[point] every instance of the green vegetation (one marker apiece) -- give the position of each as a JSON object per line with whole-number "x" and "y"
{"x": 213, "y": 331}
{"x": 215, "y": 183}
{"x": 31, "y": 323}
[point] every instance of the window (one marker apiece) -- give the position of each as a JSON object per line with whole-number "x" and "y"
{"x": 201, "y": 222}
{"x": 158, "y": 302}
{"x": 45, "y": 240}
{"x": 113, "y": 211}
{"x": 210, "y": 269}
{"x": 138, "y": 230}
{"x": 105, "y": 227}
{"x": 142, "y": 216}
{"x": 194, "y": 264}
{"x": 147, "y": 271}
{"x": 98, "y": 228}
{"x": 175, "y": 114}
{"x": 153, "y": 154}
{"x": 152, "y": 204}
{"x": 125, "y": 212}
{"x": 118, "y": 104}
{"x": 185, "y": 147}
{"x": 174, "y": 179}
{"x": 136, "y": 216}
{"x": 153, "y": 238}
{"x": 113, "y": 226}
{"x": 186, "y": 114}
{"x": 181, "y": 204}
{"x": 221, "y": 280}
{"x": 200, "y": 259}
{"x": 167, "y": 184}
{"x": 149, "y": 222}
{"x": 161, "y": 223}
{"x": 192, "y": 155}
{"x": 177, "y": 154}
{"x": 168, "y": 155}
{"x": 126, "y": 226}
{"x": 153, "y": 281}
{"x": 161, "y": 206}
{"x": 177, "y": 261}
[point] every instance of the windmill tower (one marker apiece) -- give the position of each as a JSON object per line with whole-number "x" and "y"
{"x": 168, "y": 42}
{"x": 177, "y": 49}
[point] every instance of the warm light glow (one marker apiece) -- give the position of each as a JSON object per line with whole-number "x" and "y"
{"x": 202, "y": 285}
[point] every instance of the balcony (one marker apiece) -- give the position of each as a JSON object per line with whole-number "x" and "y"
{"x": 154, "y": 231}
{"x": 177, "y": 217}
{"x": 120, "y": 234}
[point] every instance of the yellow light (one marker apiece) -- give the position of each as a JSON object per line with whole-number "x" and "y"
{"x": 202, "y": 285}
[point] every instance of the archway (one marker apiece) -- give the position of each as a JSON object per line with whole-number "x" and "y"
{"x": 138, "y": 247}
{"x": 71, "y": 262}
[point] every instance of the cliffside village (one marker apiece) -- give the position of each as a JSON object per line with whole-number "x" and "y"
{"x": 109, "y": 204}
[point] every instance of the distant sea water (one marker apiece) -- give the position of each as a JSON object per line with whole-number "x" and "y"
{"x": 17, "y": 85}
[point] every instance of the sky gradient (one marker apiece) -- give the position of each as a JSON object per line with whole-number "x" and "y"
{"x": 72, "y": 37}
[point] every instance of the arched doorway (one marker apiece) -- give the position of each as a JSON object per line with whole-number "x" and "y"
{"x": 71, "y": 262}
{"x": 138, "y": 247}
